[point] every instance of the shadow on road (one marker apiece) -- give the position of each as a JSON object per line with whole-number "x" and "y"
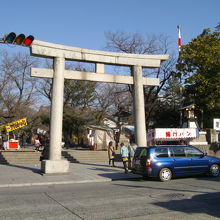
{"x": 34, "y": 170}
{"x": 207, "y": 203}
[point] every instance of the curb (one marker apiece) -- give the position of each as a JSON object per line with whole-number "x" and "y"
{"x": 64, "y": 182}
{"x": 53, "y": 183}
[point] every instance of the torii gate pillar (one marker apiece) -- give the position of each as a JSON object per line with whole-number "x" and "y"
{"x": 60, "y": 53}
{"x": 140, "y": 124}
{"x": 55, "y": 163}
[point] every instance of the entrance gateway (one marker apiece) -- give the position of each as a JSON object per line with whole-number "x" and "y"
{"x": 60, "y": 53}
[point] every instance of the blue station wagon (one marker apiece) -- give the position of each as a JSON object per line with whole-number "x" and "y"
{"x": 164, "y": 162}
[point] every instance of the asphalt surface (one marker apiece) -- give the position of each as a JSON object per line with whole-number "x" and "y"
{"x": 14, "y": 175}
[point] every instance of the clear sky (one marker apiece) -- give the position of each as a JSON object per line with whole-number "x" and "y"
{"x": 82, "y": 23}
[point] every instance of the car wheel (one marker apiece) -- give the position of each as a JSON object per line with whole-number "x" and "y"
{"x": 165, "y": 174}
{"x": 214, "y": 170}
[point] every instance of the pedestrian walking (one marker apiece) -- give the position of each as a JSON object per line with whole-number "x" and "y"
{"x": 91, "y": 142}
{"x": 5, "y": 140}
{"x": 124, "y": 155}
{"x": 42, "y": 140}
{"x": 132, "y": 148}
{"x": 111, "y": 154}
{"x": 37, "y": 144}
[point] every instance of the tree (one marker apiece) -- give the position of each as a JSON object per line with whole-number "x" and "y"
{"x": 18, "y": 94}
{"x": 76, "y": 93}
{"x": 79, "y": 99}
{"x": 17, "y": 90}
{"x": 136, "y": 43}
{"x": 199, "y": 62}
{"x": 217, "y": 28}
{"x": 111, "y": 98}
{"x": 168, "y": 111}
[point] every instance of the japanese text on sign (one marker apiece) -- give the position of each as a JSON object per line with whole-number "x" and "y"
{"x": 16, "y": 125}
{"x": 181, "y": 133}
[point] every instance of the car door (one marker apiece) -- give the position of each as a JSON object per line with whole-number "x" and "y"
{"x": 181, "y": 163}
{"x": 198, "y": 161}
{"x": 140, "y": 160}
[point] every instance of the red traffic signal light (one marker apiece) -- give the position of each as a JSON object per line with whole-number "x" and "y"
{"x": 12, "y": 38}
{"x": 28, "y": 40}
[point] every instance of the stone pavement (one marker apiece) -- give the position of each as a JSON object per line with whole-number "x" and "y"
{"x": 30, "y": 175}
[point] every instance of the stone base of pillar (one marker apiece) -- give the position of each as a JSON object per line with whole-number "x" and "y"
{"x": 54, "y": 166}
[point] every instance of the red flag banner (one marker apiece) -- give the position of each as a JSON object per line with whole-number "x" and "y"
{"x": 179, "y": 38}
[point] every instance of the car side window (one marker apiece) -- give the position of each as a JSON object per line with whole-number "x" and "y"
{"x": 178, "y": 152}
{"x": 143, "y": 153}
{"x": 137, "y": 152}
{"x": 161, "y": 152}
{"x": 192, "y": 152}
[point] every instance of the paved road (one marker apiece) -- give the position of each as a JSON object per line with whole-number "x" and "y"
{"x": 136, "y": 199}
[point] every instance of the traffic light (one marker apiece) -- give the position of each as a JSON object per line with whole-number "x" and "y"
{"x": 9, "y": 38}
{"x": 20, "y": 39}
{"x": 28, "y": 40}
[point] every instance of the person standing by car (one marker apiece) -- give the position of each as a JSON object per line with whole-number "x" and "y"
{"x": 124, "y": 155}
{"x": 111, "y": 154}
{"x": 132, "y": 148}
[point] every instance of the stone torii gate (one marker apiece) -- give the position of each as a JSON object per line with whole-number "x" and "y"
{"x": 60, "y": 53}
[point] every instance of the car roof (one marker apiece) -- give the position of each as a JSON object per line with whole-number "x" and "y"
{"x": 158, "y": 146}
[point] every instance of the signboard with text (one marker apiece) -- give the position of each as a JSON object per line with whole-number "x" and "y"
{"x": 173, "y": 133}
{"x": 216, "y": 124}
{"x": 16, "y": 125}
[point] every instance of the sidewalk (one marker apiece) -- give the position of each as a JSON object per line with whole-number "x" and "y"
{"x": 30, "y": 175}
